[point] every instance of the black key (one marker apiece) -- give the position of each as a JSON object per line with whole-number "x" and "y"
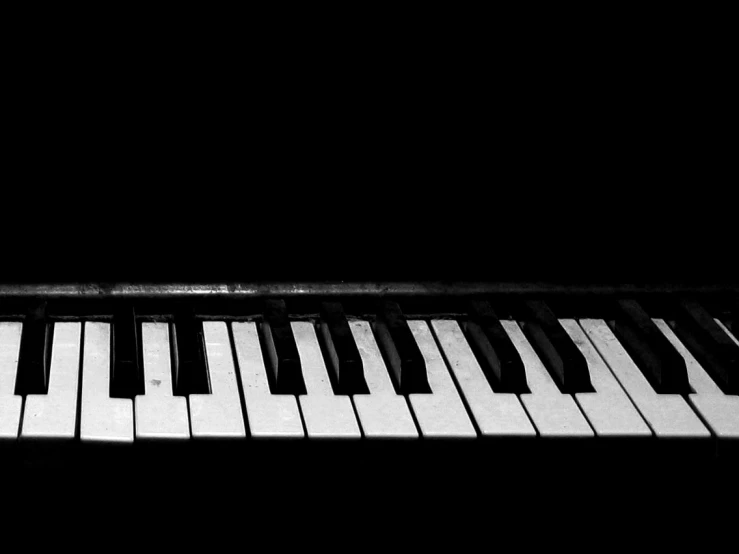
{"x": 555, "y": 348}
{"x": 35, "y": 352}
{"x": 652, "y": 352}
{"x": 709, "y": 343}
{"x": 343, "y": 356}
{"x": 286, "y": 375}
{"x": 731, "y": 318}
{"x": 498, "y": 358}
{"x": 190, "y": 372}
{"x": 402, "y": 354}
{"x": 127, "y": 379}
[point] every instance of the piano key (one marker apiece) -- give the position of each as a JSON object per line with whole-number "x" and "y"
{"x": 554, "y": 414}
{"x": 663, "y": 367}
{"x": 269, "y": 415}
{"x": 382, "y": 413}
{"x": 726, "y": 329}
{"x": 708, "y": 325}
{"x": 285, "y": 370}
{"x": 498, "y": 358}
{"x": 190, "y": 375}
{"x": 608, "y": 409}
{"x": 496, "y": 414}
{"x": 10, "y": 403}
{"x": 709, "y": 344}
{"x": 54, "y": 415}
{"x": 33, "y": 370}
{"x": 440, "y": 413}
{"x": 720, "y": 411}
{"x": 326, "y": 415}
{"x": 344, "y": 360}
{"x": 127, "y": 380}
{"x": 561, "y": 357}
{"x": 401, "y": 351}
{"x": 218, "y": 415}
{"x": 668, "y": 415}
{"x": 103, "y": 418}
{"x": 732, "y": 322}
{"x": 159, "y": 414}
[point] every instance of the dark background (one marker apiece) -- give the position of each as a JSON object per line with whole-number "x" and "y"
{"x": 503, "y": 164}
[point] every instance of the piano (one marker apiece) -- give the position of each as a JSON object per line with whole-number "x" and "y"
{"x": 368, "y": 378}
{"x": 581, "y": 353}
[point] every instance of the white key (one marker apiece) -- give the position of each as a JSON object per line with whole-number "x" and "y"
{"x": 159, "y": 414}
{"x": 218, "y": 415}
{"x": 269, "y": 415}
{"x": 608, "y": 409}
{"x": 326, "y": 415}
{"x": 382, "y": 413}
{"x": 554, "y": 414}
{"x": 720, "y": 411}
{"x": 668, "y": 415}
{"x": 54, "y": 415}
{"x": 727, "y": 331}
{"x": 496, "y": 414}
{"x": 10, "y": 404}
{"x": 440, "y": 414}
{"x": 103, "y": 419}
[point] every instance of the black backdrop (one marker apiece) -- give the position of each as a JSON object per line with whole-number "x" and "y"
{"x": 306, "y": 227}
{"x": 533, "y": 183}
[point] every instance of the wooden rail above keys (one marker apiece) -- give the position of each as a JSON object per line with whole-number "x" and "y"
{"x": 370, "y": 288}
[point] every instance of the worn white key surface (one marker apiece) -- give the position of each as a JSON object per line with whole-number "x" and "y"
{"x": 496, "y": 414}
{"x": 268, "y": 415}
{"x": 720, "y": 411}
{"x": 382, "y": 412}
{"x": 218, "y": 415}
{"x": 608, "y": 409}
{"x": 54, "y": 415}
{"x": 103, "y": 419}
{"x": 440, "y": 414}
{"x": 326, "y": 415}
{"x": 159, "y": 414}
{"x": 554, "y": 414}
{"x": 668, "y": 415}
{"x": 10, "y": 404}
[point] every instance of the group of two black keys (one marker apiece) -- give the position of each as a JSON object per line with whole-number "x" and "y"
{"x": 190, "y": 375}
{"x": 655, "y": 356}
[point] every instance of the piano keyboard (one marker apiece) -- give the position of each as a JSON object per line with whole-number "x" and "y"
{"x": 648, "y": 374}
